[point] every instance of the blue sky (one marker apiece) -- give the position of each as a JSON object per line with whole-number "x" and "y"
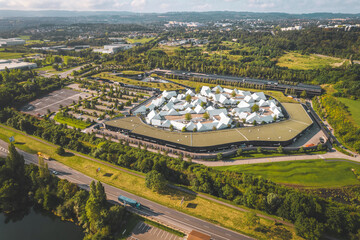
{"x": 289, "y": 6}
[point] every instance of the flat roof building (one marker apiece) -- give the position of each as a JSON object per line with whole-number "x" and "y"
{"x": 11, "y": 42}
{"x": 11, "y": 64}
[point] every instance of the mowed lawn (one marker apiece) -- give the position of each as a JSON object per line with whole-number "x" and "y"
{"x": 296, "y": 61}
{"x": 309, "y": 173}
{"x": 354, "y": 108}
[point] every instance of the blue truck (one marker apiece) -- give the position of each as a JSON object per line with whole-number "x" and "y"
{"x": 129, "y": 201}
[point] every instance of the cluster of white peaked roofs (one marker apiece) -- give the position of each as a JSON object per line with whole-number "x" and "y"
{"x": 224, "y": 107}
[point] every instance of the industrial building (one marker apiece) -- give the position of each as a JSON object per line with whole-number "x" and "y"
{"x": 11, "y": 42}
{"x": 113, "y": 48}
{"x": 12, "y": 64}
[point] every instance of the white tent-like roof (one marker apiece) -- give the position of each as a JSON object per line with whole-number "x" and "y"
{"x": 217, "y": 112}
{"x": 173, "y": 112}
{"x": 190, "y": 126}
{"x": 263, "y": 103}
{"x": 178, "y": 125}
{"x": 199, "y": 109}
{"x": 189, "y": 110}
{"x": 243, "y": 115}
{"x": 253, "y": 117}
{"x": 243, "y": 104}
{"x": 218, "y": 88}
{"x": 166, "y": 123}
{"x": 190, "y": 92}
{"x": 205, "y": 90}
{"x": 249, "y": 99}
{"x": 156, "y": 122}
{"x": 258, "y": 96}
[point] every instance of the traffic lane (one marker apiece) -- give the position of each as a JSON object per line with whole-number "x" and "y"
{"x": 161, "y": 213}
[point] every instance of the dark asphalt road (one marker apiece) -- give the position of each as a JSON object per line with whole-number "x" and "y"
{"x": 156, "y": 211}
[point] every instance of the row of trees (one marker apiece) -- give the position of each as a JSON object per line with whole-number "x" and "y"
{"x": 254, "y": 192}
{"x": 23, "y": 187}
{"x": 339, "y": 117}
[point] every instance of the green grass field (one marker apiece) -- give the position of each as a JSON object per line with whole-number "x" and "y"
{"x": 310, "y": 173}
{"x": 296, "y": 61}
{"x": 354, "y": 108}
{"x": 140, "y": 40}
{"x": 10, "y": 55}
{"x": 71, "y": 122}
{"x": 130, "y": 72}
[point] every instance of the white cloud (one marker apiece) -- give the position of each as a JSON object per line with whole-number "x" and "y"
{"x": 138, "y": 4}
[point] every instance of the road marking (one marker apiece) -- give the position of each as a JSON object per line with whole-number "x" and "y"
{"x": 37, "y": 103}
{"x": 242, "y": 134}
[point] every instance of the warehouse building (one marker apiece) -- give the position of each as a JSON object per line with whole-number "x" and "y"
{"x": 11, "y": 42}
{"x": 12, "y": 64}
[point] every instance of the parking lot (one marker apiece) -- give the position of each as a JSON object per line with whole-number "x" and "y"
{"x": 143, "y": 231}
{"x": 52, "y": 101}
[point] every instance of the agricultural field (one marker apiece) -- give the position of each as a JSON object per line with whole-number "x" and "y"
{"x": 310, "y": 173}
{"x": 296, "y": 61}
{"x": 353, "y": 107}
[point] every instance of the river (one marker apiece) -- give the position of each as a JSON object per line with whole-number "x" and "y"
{"x": 38, "y": 226}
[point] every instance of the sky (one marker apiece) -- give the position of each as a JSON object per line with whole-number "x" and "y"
{"x": 288, "y": 6}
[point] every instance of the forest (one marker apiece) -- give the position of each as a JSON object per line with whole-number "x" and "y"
{"x": 312, "y": 215}
{"x": 25, "y": 186}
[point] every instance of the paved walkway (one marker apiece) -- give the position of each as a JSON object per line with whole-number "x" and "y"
{"x": 328, "y": 155}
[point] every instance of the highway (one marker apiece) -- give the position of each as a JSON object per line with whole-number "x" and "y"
{"x": 167, "y": 216}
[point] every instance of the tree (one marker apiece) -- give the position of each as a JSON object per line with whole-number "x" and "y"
{"x": 219, "y": 156}
{"x": 255, "y": 108}
{"x": 251, "y": 219}
{"x": 206, "y": 115}
{"x": 280, "y": 149}
{"x": 195, "y": 130}
{"x": 254, "y": 123}
{"x": 198, "y": 89}
{"x": 239, "y": 152}
{"x": 259, "y": 150}
{"x": 217, "y": 91}
{"x": 171, "y": 128}
{"x": 155, "y": 181}
{"x": 188, "y": 116}
{"x": 188, "y": 98}
{"x": 308, "y": 228}
{"x": 60, "y": 151}
{"x": 233, "y": 94}
{"x": 183, "y": 129}
{"x": 303, "y": 94}
{"x": 15, "y": 163}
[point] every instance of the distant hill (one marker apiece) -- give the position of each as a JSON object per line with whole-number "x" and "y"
{"x": 131, "y": 17}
